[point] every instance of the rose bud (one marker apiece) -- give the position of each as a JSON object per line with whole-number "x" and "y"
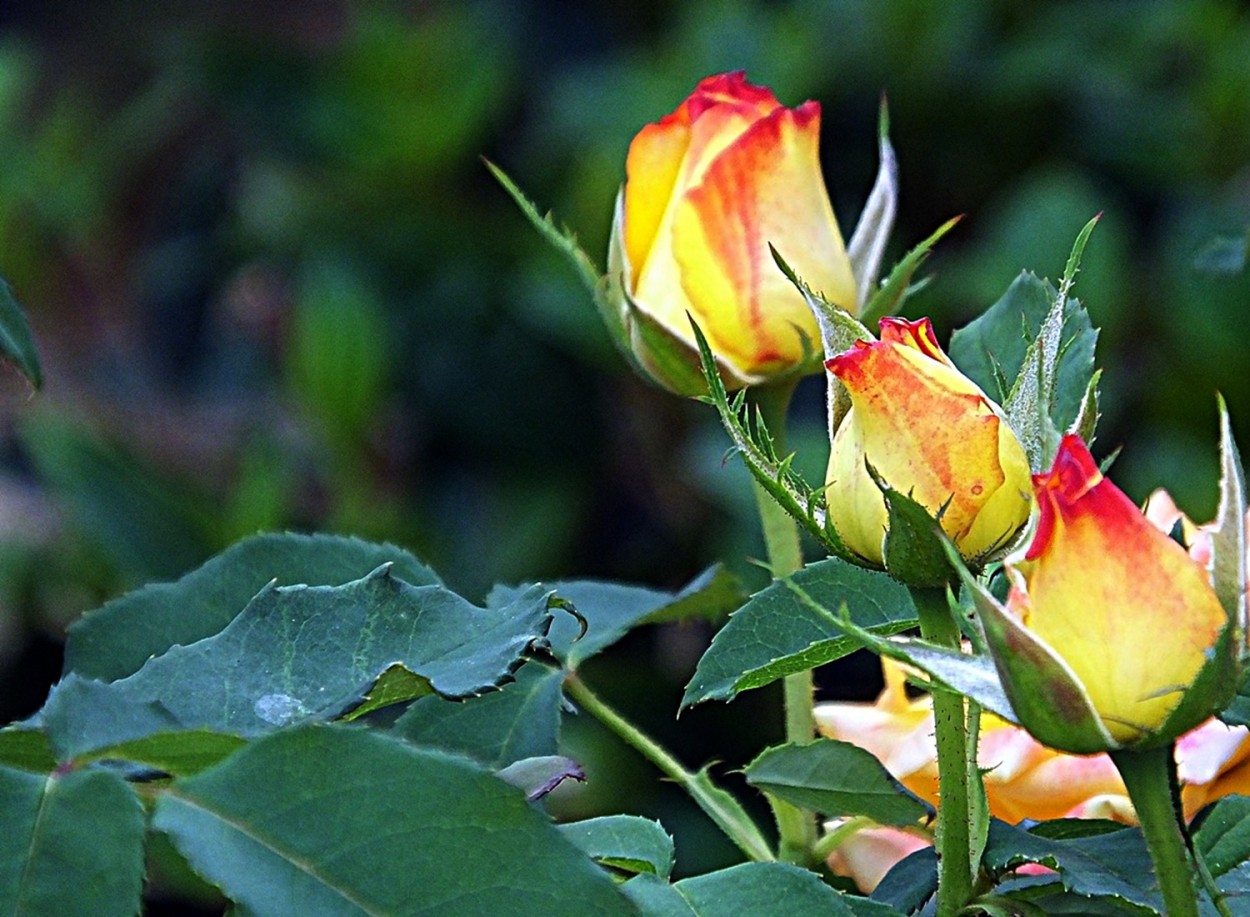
{"x": 708, "y": 189}
{"x": 1113, "y": 635}
{"x": 928, "y": 432}
{"x": 1024, "y": 780}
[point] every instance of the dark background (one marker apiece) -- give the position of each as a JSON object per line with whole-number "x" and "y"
{"x": 274, "y": 287}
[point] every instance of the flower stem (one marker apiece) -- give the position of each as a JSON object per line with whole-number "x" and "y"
{"x": 796, "y": 827}
{"x": 722, "y": 808}
{"x": 950, "y": 722}
{"x": 1150, "y": 776}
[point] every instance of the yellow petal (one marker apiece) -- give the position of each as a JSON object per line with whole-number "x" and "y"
{"x": 764, "y": 188}
{"x": 654, "y": 162}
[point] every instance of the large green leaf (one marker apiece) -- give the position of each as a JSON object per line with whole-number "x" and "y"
{"x": 72, "y": 844}
{"x": 994, "y": 348}
{"x": 777, "y": 633}
{"x": 608, "y": 611}
{"x": 337, "y": 821}
{"x": 116, "y": 640}
{"x": 1114, "y": 865}
{"x": 1235, "y": 886}
{"x": 749, "y": 890}
{"x": 522, "y": 720}
{"x": 624, "y": 842}
{"x": 300, "y": 653}
{"x": 835, "y": 778}
{"x": 16, "y": 342}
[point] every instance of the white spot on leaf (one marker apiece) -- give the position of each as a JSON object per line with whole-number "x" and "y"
{"x": 278, "y": 709}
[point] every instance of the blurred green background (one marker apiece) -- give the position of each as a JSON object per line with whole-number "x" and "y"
{"x": 274, "y": 286}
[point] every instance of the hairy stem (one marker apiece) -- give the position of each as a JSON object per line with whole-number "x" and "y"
{"x": 950, "y": 718}
{"x": 796, "y": 827}
{"x": 1150, "y": 776}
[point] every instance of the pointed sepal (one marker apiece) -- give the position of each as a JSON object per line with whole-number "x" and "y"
{"x": 872, "y": 230}
{"x": 1228, "y": 539}
{"x": 1044, "y": 691}
{"x": 889, "y": 299}
{"x": 914, "y": 550}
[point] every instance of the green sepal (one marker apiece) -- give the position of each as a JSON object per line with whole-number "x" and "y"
{"x": 1217, "y": 682}
{"x": 915, "y": 546}
{"x": 652, "y": 348}
{"x": 609, "y": 291}
{"x": 561, "y": 238}
{"x": 1086, "y": 422}
{"x": 666, "y": 359}
{"x": 839, "y": 330}
{"x": 1047, "y": 697}
{"x": 898, "y": 286}
{"x": 1212, "y": 689}
{"x": 1228, "y": 541}
{"x": 1031, "y": 405}
{"x": 1033, "y": 353}
{"x": 758, "y": 450}
{"x": 872, "y": 230}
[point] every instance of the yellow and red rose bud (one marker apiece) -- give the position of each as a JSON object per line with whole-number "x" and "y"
{"x": 928, "y": 432}
{"x": 1113, "y": 635}
{"x": 1024, "y": 780}
{"x": 708, "y": 189}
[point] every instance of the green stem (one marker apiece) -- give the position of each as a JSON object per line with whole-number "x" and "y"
{"x": 1150, "y": 776}
{"x": 950, "y": 720}
{"x": 796, "y": 827}
{"x": 722, "y": 808}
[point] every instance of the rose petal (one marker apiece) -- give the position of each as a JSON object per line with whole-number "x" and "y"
{"x": 764, "y": 188}
{"x": 868, "y": 854}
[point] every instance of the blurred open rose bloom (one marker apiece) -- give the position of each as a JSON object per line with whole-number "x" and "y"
{"x": 708, "y": 189}
{"x": 929, "y": 432}
{"x": 1109, "y": 622}
{"x": 1023, "y": 778}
